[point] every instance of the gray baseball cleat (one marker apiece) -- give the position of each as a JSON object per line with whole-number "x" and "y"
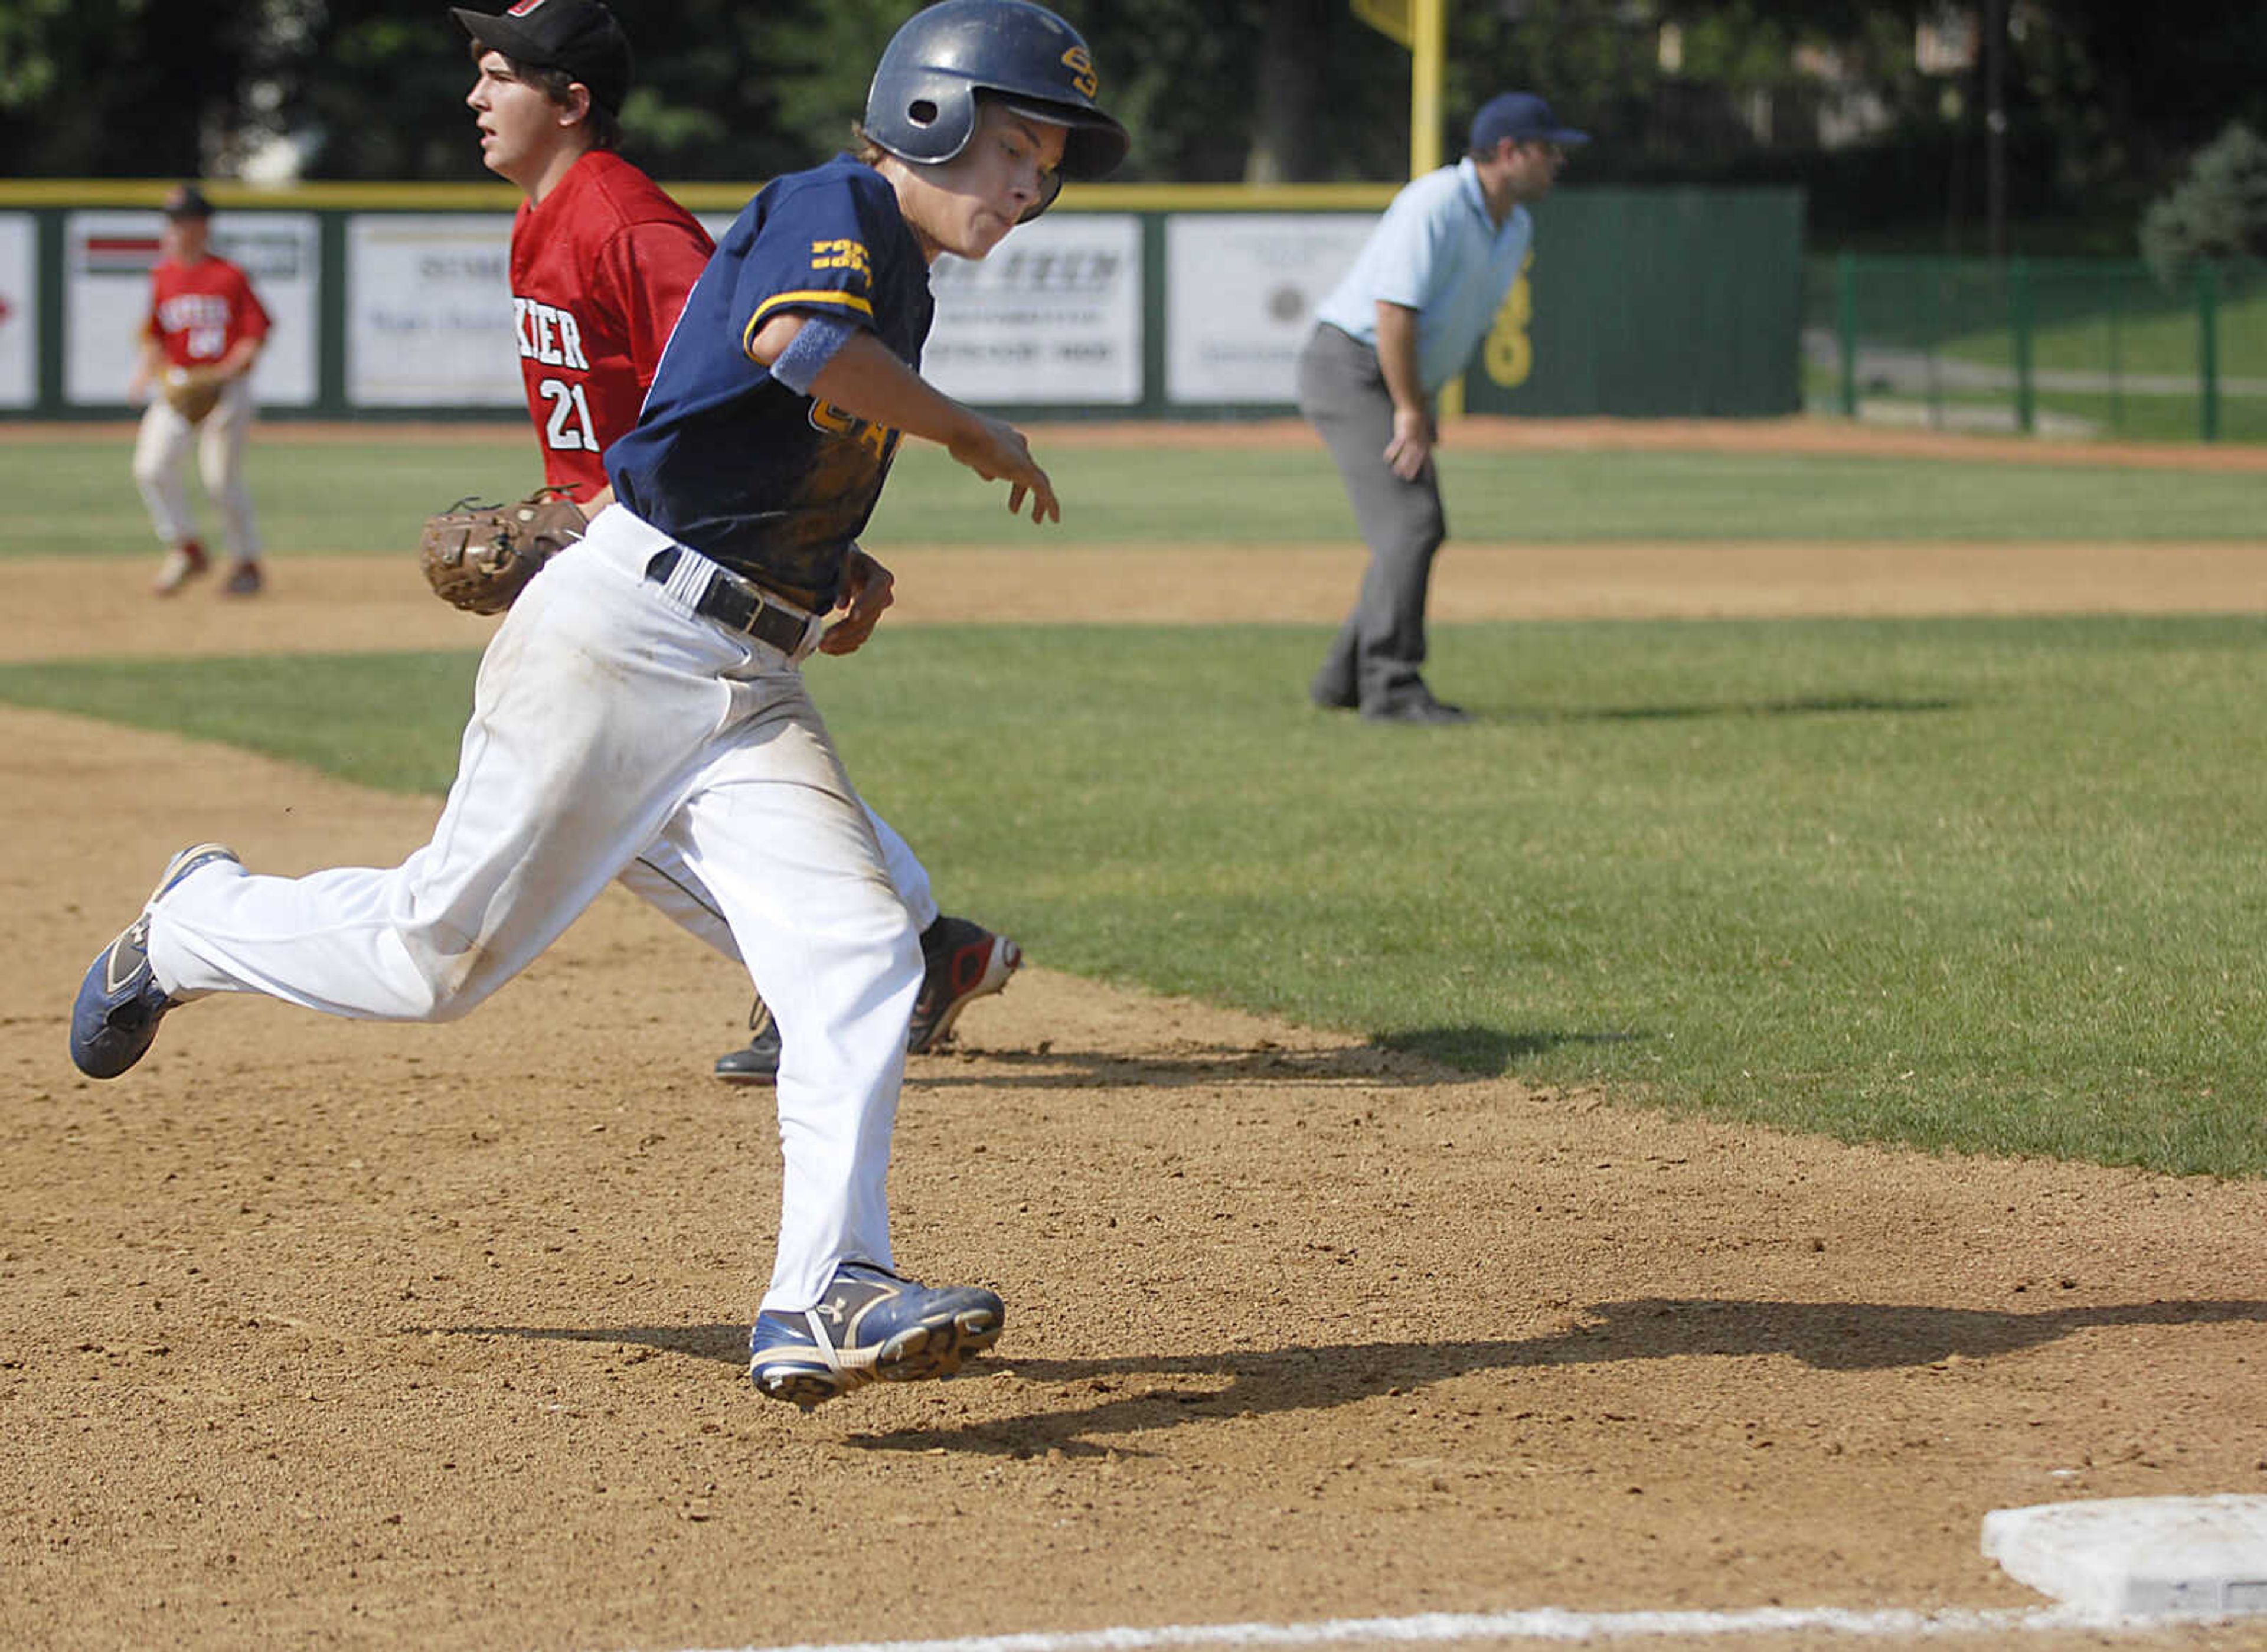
{"x": 870, "y": 1326}
{"x": 114, "y": 1020}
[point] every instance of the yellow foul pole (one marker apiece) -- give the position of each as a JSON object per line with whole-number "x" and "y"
{"x": 1428, "y": 48}
{"x": 1422, "y": 25}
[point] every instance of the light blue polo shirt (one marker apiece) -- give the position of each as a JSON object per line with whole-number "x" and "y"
{"x": 1437, "y": 252}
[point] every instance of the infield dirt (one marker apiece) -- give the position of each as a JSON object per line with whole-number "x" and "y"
{"x": 329, "y": 1334}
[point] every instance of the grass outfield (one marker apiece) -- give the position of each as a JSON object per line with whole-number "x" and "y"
{"x": 1977, "y": 885}
{"x": 75, "y": 498}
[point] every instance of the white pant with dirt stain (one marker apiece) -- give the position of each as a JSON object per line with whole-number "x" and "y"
{"x": 608, "y": 718}
{"x": 161, "y": 452}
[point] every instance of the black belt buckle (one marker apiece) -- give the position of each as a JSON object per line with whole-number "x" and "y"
{"x": 736, "y": 603}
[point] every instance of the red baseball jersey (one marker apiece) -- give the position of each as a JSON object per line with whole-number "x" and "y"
{"x": 199, "y": 312}
{"x": 599, "y": 269}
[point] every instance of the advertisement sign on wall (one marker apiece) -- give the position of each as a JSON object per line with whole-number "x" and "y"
{"x": 1054, "y": 315}
{"x": 20, "y": 313}
{"x": 1241, "y": 288}
{"x": 428, "y": 312}
{"x": 107, "y": 258}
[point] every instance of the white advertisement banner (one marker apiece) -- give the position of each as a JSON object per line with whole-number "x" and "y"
{"x": 428, "y": 312}
{"x": 107, "y": 258}
{"x": 1240, "y": 290}
{"x": 19, "y": 310}
{"x": 1054, "y": 315}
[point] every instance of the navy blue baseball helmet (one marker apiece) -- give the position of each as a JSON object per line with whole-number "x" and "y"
{"x": 922, "y": 105}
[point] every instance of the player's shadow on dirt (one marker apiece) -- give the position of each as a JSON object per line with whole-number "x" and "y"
{"x": 1800, "y": 706}
{"x": 1137, "y": 1395}
{"x": 1401, "y": 1061}
{"x": 1492, "y": 1052}
{"x": 1103, "y": 1404}
{"x": 728, "y": 1343}
{"x": 1422, "y": 1055}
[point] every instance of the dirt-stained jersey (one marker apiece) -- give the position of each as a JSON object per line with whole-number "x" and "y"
{"x": 601, "y": 267}
{"x": 772, "y": 483}
{"x": 198, "y": 311}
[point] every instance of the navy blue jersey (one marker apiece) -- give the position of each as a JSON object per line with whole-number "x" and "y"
{"x": 727, "y": 459}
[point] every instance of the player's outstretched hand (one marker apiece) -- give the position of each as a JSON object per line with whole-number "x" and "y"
{"x": 867, "y": 589}
{"x": 997, "y": 451}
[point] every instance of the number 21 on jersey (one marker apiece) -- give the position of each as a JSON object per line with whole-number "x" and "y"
{"x": 569, "y": 429}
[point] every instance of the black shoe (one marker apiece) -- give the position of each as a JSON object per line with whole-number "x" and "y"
{"x": 1422, "y": 710}
{"x": 759, "y": 1062}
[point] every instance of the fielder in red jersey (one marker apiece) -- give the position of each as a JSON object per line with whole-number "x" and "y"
{"x": 200, "y": 313}
{"x": 600, "y": 265}
{"x": 205, "y": 318}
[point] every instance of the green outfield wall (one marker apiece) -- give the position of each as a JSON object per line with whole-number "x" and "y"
{"x": 393, "y": 301}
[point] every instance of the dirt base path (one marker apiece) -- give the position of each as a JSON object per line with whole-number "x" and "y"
{"x": 325, "y": 1334}
{"x": 69, "y": 607}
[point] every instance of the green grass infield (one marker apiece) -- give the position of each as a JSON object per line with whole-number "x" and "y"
{"x": 1985, "y": 886}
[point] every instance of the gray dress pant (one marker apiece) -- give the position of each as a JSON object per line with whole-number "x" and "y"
{"x": 1375, "y": 661}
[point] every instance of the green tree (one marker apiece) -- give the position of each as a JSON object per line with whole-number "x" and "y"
{"x": 112, "y": 87}
{"x": 2219, "y": 210}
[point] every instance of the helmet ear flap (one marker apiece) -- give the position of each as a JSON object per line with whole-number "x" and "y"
{"x": 922, "y": 103}
{"x": 929, "y": 120}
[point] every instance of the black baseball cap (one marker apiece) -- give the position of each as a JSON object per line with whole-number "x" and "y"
{"x": 579, "y": 37}
{"x": 1522, "y": 117}
{"x": 187, "y": 200}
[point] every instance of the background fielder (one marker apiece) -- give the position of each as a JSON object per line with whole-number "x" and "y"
{"x": 205, "y": 324}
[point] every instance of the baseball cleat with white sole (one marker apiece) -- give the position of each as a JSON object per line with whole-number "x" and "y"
{"x": 114, "y": 1019}
{"x": 870, "y": 1326}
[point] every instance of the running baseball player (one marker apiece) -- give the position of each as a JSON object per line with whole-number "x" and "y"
{"x": 205, "y": 330}
{"x": 601, "y": 262}
{"x": 646, "y": 686}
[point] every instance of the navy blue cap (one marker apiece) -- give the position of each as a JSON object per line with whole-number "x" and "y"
{"x": 1522, "y": 117}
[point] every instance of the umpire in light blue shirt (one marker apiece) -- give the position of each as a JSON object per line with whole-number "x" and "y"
{"x": 1406, "y": 320}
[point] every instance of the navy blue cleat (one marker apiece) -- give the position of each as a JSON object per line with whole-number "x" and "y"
{"x": 114, "y": 1020}
{"x": 870, "y": 1326}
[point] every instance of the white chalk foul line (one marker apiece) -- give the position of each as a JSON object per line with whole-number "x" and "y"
{"x": 1549, "y": 1623}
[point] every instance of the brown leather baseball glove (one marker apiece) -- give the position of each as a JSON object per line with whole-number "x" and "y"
{"x": 192, "y": 392}
{"x": 480, "y": 557}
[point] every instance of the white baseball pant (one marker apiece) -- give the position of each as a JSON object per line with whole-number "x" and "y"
{"x": 661, "y": 878}
{"x": 161, "y": 452}
{"x": 608, "y": 716}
